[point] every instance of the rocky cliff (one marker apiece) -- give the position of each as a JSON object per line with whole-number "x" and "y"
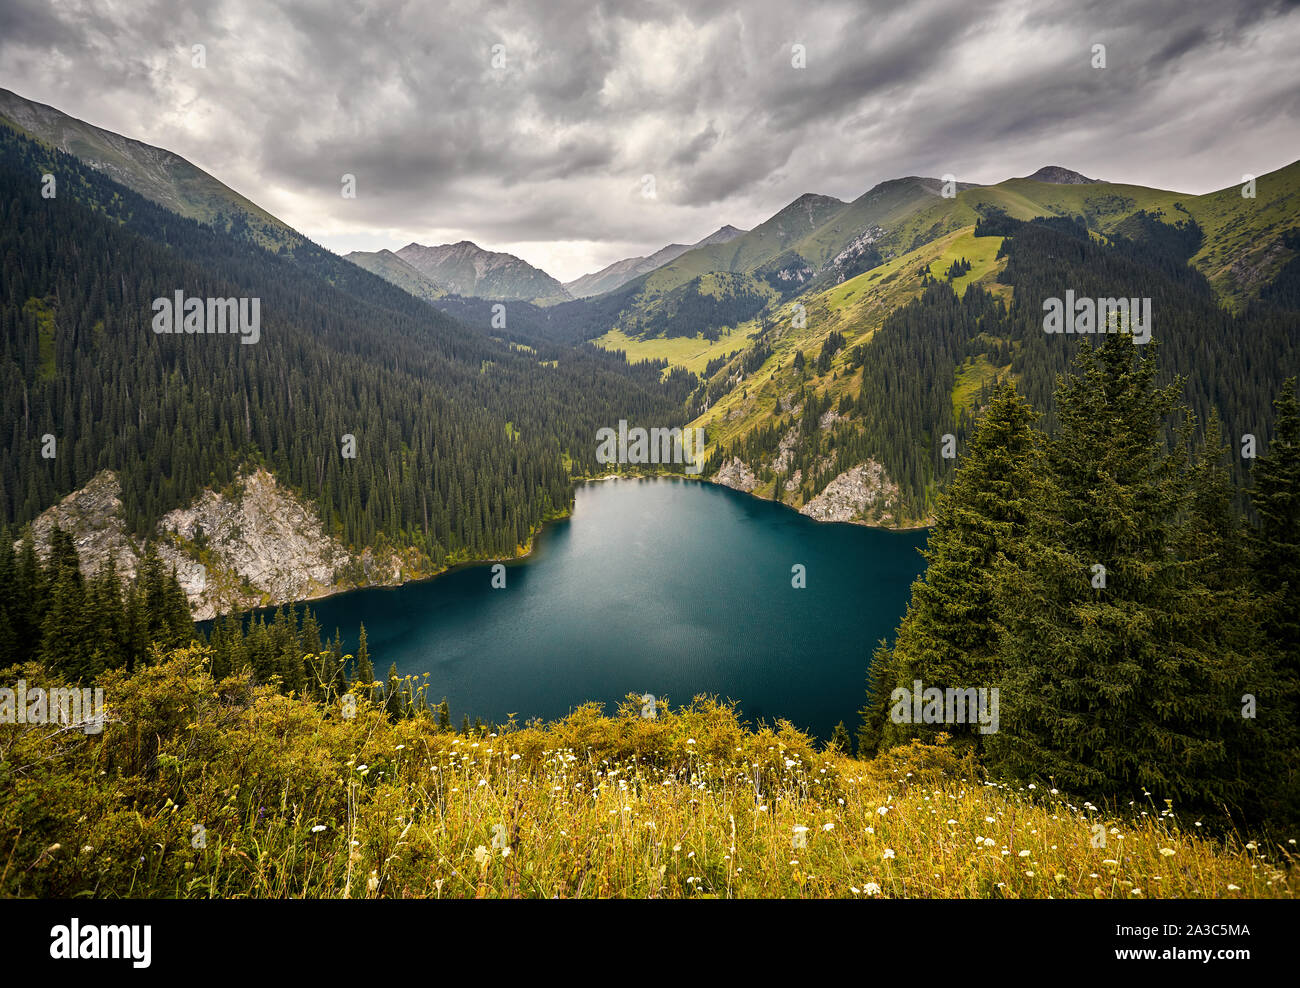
{"x": 252, "y": 545}
{"x": 864, "y": 493}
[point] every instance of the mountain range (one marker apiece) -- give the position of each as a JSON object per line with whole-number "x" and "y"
{"x": 824, "y": 351}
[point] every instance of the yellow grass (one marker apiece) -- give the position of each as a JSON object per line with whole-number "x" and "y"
{"x": 296, "y": 800}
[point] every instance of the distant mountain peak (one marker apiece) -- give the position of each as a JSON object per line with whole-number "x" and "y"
{"x": 621, "y": 272}
{"x": 466, "y": 269}
{"x": 1056, "y": 175}
{"x": 816, "y": 199}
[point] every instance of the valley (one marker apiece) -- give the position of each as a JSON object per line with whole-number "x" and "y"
{"x": 667, "y": 451}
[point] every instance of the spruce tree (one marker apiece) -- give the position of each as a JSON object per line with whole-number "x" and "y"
{"x": 949, "y": 635}
{"x": 1275, "y": 566}
{"x": 1116, "y": 678}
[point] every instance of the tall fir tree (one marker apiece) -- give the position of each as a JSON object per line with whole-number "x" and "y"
{"x": 1115, "y": 679}
{"x": 949, "y": 635}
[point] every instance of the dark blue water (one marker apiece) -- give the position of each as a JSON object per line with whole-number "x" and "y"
{"x": 668, "y": 587}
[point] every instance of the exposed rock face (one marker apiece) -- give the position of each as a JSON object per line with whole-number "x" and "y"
{"x": 1252, "y": 266}
{"x": 829, "y": 418}
{"x": 736, "y": 475}
{"x": 467, "y": 269}
{"x": 261, "y": 545}
{"x": 785, "y": 450}
{"x": 252, "y": 546}
{"x": 858, "y": 494}
{"x": 96, "y": 519}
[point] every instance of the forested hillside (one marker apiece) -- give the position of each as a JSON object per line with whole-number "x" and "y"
{"x": 935, "y": 359}
{"x": 464, "y": 444}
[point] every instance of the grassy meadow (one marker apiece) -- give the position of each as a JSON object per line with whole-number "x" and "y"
{"x": 204, "y": 789}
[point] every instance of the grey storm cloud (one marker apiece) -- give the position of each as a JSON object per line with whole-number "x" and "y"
{"x": 529, "y": 125}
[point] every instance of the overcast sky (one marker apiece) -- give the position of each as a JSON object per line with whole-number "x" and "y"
{"x": 544, "y": 153}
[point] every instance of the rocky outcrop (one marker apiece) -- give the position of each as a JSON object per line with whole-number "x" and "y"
{"x": 862, "y": 493}
{"x": 97, "y": 522}
{"x": 252, "y": 545}
{"x": 785, "y": 451}
{"x": 736, "y": 475}
{"x": 255, "y": 544}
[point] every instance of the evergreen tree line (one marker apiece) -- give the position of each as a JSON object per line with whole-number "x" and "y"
{"x": 78, "y": 627}
{"x": 1142, "y": 631}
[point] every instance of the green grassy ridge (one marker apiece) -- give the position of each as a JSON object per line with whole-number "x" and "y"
{"x": 857, "y": 306}
{"x": 913, "y": 214}
{"x": 1247, "y": 230}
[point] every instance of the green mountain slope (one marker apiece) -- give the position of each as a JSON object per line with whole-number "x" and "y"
{"x": 155, "y": 173}
{"x": 1243, "y": 248}
{"x": 392, "y": 268}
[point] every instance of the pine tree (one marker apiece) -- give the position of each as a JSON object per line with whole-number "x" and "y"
{"x": 1274, "y": 549}
{"x": 840, "y": 739}
{"x": 365, "y": 674}
{"x": 949, "y": 636}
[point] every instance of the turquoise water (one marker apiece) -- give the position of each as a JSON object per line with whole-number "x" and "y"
{"x": 661, "y": 586}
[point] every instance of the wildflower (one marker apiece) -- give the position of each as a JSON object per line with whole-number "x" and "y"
{"x": 318, "y": 828}
{"x": 1168, "y": 852}
{"x": 505, "y": 852}
{"x": 872, "y": 888}
{"x": 1234, "y": 888}
{"x": 889, "y": 853}
{"x": 828, "y": 827}
{"x": 481, "y": 855}
{"x": 1024, "y": 854}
